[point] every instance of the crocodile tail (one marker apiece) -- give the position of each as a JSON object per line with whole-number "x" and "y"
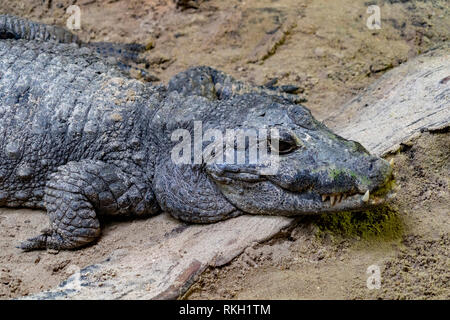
{"x": 127, "y": 56}
{"x": 12, "y": 27}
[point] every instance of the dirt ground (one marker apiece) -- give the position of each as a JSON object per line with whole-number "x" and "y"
{"x": 324, "y": 48}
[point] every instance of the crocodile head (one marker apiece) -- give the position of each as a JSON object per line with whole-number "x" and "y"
{"x": 316, "y": 170}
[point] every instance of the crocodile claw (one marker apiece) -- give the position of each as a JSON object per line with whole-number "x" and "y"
{"x": 36, "y": 243}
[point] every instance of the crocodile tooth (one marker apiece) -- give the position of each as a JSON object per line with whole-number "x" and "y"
{"x": 324, "y": 197}
{"x": 332, "y": 199}
{"x": 338, "y": 198}
{"x": 365, "y": 198}
{"x": 392, "y": 162}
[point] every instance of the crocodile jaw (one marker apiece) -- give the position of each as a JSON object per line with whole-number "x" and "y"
{"x": 267, "y": 198}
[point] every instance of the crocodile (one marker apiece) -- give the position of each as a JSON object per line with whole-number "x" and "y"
{"x": 81, "y": 140}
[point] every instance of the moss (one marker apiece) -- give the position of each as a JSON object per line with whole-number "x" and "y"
{"x": 386, "y": 188}
{"x": 334, "y": 173}
{"x": 373, "y": 224}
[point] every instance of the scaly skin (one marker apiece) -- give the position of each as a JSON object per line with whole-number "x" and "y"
{"x": 81, "y": 140}
{"x": 60, "y": 107}
{"x": 12, "y": 27}
{"x": 126, "y": 55}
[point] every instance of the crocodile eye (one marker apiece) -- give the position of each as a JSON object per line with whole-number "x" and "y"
{"x": 286, "y": 144}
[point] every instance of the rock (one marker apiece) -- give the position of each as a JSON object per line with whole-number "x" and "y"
{"x": 319, "y": 52}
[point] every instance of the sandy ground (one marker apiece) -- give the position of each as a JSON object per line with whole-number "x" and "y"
{"x": 325, "y": 48}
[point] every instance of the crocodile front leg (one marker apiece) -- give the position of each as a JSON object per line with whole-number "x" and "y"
{"x": 78, "y": 192}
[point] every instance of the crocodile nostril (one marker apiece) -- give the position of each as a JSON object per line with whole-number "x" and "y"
{"x": 376, "y": 168}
